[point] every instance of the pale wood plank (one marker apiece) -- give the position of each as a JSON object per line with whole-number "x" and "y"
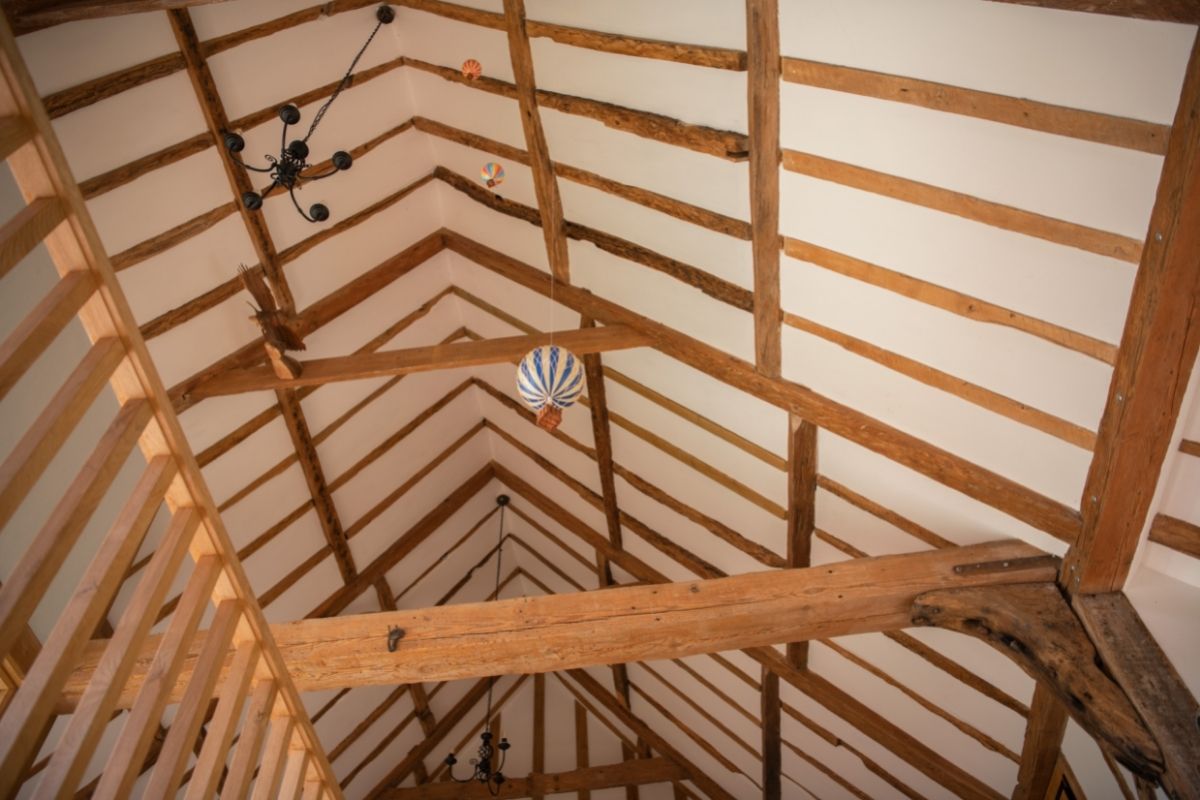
{"x": 41, "y": 326}
{"x": 416, "y": 359}
{"x": 37, "y": 566}
{"x": 37, "y": 448}
{"x": 172, "y": 760}
{"x": 74, "y": 750}
{"x": 545, "y": 185}
{"x": 33, "y": 706}
{"x": 26, "y": 230}
{"x": 762, "y": 98}
{"x": 1043, "y": 743}
{"x": 274, "y": 759}
{"x": 1158, "y": 349}
{"x": 14, "y": 132}
{"x": 129, "y": 751}
{"x": 220, "y": 730}
{"x": 250, "y": 740}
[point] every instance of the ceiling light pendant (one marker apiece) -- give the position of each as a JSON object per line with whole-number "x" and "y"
{"x": 287, "y": 171}
{"x": 487, "y": 766}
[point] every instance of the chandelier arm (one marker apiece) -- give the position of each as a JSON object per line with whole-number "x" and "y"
{"x": 296, "y": 203}
{"x": 250, "y": 166}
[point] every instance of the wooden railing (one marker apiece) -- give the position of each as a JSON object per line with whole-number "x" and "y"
{"x": 275, "y": 739}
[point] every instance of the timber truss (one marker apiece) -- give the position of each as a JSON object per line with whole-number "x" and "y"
{"x": 672, "y": 614}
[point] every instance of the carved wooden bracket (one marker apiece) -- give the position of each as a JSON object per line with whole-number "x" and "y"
{"x": 1034, "y": 626}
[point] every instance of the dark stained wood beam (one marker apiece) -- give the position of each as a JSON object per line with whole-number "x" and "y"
{"x": 940, "y": 465}
{"x": 1136, "y": 661}
{"x": 607, "y": 776}
{"x": 539, "y": 730}
{"x": 545, "y": 185}
{"x": 1186, "y": 11}
{"x": 1154, "y": 363}
{"x": 1177, "y": 534}
{"x": 627, "y": 623}
{"x": 802, "y": 509}
{"x": 218, "y": 124}
{"x": 762, "y": 83}
{"x": 772, "y": 752}
{"x": 314, "y": 477}
{"x": 418, "y": 359}
{"x": 1043, "y": 744}
{"x": 31, "y": 15}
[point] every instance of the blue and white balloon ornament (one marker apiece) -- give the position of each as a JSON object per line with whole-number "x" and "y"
{"x": 549, "y": 379}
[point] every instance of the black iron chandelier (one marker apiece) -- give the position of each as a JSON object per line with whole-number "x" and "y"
{"x": 489, "y": 762}
{"x": 287, "y": 170}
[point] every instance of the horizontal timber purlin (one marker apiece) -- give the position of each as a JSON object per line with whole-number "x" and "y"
{"x": 940, "y": 465}
{"x": 172, "y": 476}
{"x": 1092, "y": 126}
{"x": 1191, "y": 448}
{"x": 627, "y": 773}
{"x": 977, "y": 209}
{"x": 1176, "y": 533}
{"x": 1184, "y": 11}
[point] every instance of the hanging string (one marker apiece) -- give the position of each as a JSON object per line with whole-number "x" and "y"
{"x": 487, "y": 725}
{"x": 342, "y": 85}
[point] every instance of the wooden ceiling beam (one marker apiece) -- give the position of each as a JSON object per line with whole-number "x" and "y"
{"x": 1154, "y": 364}
{"x": 418, "y": 359}
{"x": 802, "y": 509}
{"x": 631, "y": 623}
{"x": 545, "y": 185}
{"x": 608, "y": 776}
{"x": 1043, "y": 744}
{"x": 31, "y": 15}
{"x": 906, "y": 449}
{"x": 762, "y": 98}
{"x": 1184, "y": 11}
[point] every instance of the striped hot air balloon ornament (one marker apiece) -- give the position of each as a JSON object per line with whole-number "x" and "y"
{"x": 550, "y": 379}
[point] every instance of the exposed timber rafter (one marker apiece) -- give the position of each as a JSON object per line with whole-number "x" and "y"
{"x": 607, "y": 776}
{"x": 1165, "y": 10}
{"x": 1153, "y": 367}
{"x": 417, "y": 359}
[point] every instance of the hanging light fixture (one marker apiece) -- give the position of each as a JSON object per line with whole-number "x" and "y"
{"x": 487, "y": 765}
{"x": 287, "y": 170}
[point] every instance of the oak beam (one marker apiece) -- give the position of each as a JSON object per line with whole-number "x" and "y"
{"x": 539, "y": 728}
{"x": 629, "y": 623}
{"x": 582, "y": 756}
{"x": 762, "y": 52}
{"x": 1176, "y": 533}
{"x": 772, "y": 753}
{"x": 1184, "y": 11}
{"x": 545, "y": 185}
{"x": 1154, "y": 363}
{"x": 419, "y": 359}
{"x": 1043, "y": 744}
{"x": 802, "y": 509}
{"x": 582, "y": 780}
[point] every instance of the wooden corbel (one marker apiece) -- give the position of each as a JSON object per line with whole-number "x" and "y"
{"x": 1034, "y": 626}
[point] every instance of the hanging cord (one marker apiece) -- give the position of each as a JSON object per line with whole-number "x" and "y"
{"x": 492, "y": 679}
{"x": 344, "y": 83}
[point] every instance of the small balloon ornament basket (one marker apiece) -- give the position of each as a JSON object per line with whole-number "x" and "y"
{"x": 549, "y": 379}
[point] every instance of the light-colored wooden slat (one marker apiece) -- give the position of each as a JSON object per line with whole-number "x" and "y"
{"x": 1092, "y": 126}
{"x": 35, "y": 333}
{"x": 762, "y": 99}
{"x": 74, "y": 749}
{"x": 33, "y": 706}
{"x": 172, "y": 760}
{"x": 948, "y": 299}
{"x": 948, "y": 469}
{"x": 802, "y": 508}
{"x": 1158, "y": 350}
{"x": 1177, "y": 534}
{"x": 274, "y": 759}
{"x": 219, "y": 733}
{"x": 1133, "y": 657}
{"x": 37, "y": 566}
{"x": 973, "y": 393}
{"x": 582, "y": 758}
{"x": 416, "y": 359}
{"x": 14, "y": 132}
{"x": 250, "y": 740}
{"x": 26, "y": 230}
{"x": 545, "y": 185}
{"x": 34, "y": 452}
{"x": 1043, "y": 742}
{"x": 998, "y": 215}
{"x": 129, "y": 751}
{"x": 312, "y": 788}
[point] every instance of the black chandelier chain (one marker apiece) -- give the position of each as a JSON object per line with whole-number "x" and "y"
{"x": 287, "y": 170}
{"x": 485, "y": 767}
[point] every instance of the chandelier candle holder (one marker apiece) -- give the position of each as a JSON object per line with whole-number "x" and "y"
{"x": 287, "y": 170}
{"x": 487, "y": 766}
{"x": 550, "y": 379}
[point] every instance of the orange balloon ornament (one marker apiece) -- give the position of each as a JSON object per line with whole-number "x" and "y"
{"x": 471, "y": 69}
